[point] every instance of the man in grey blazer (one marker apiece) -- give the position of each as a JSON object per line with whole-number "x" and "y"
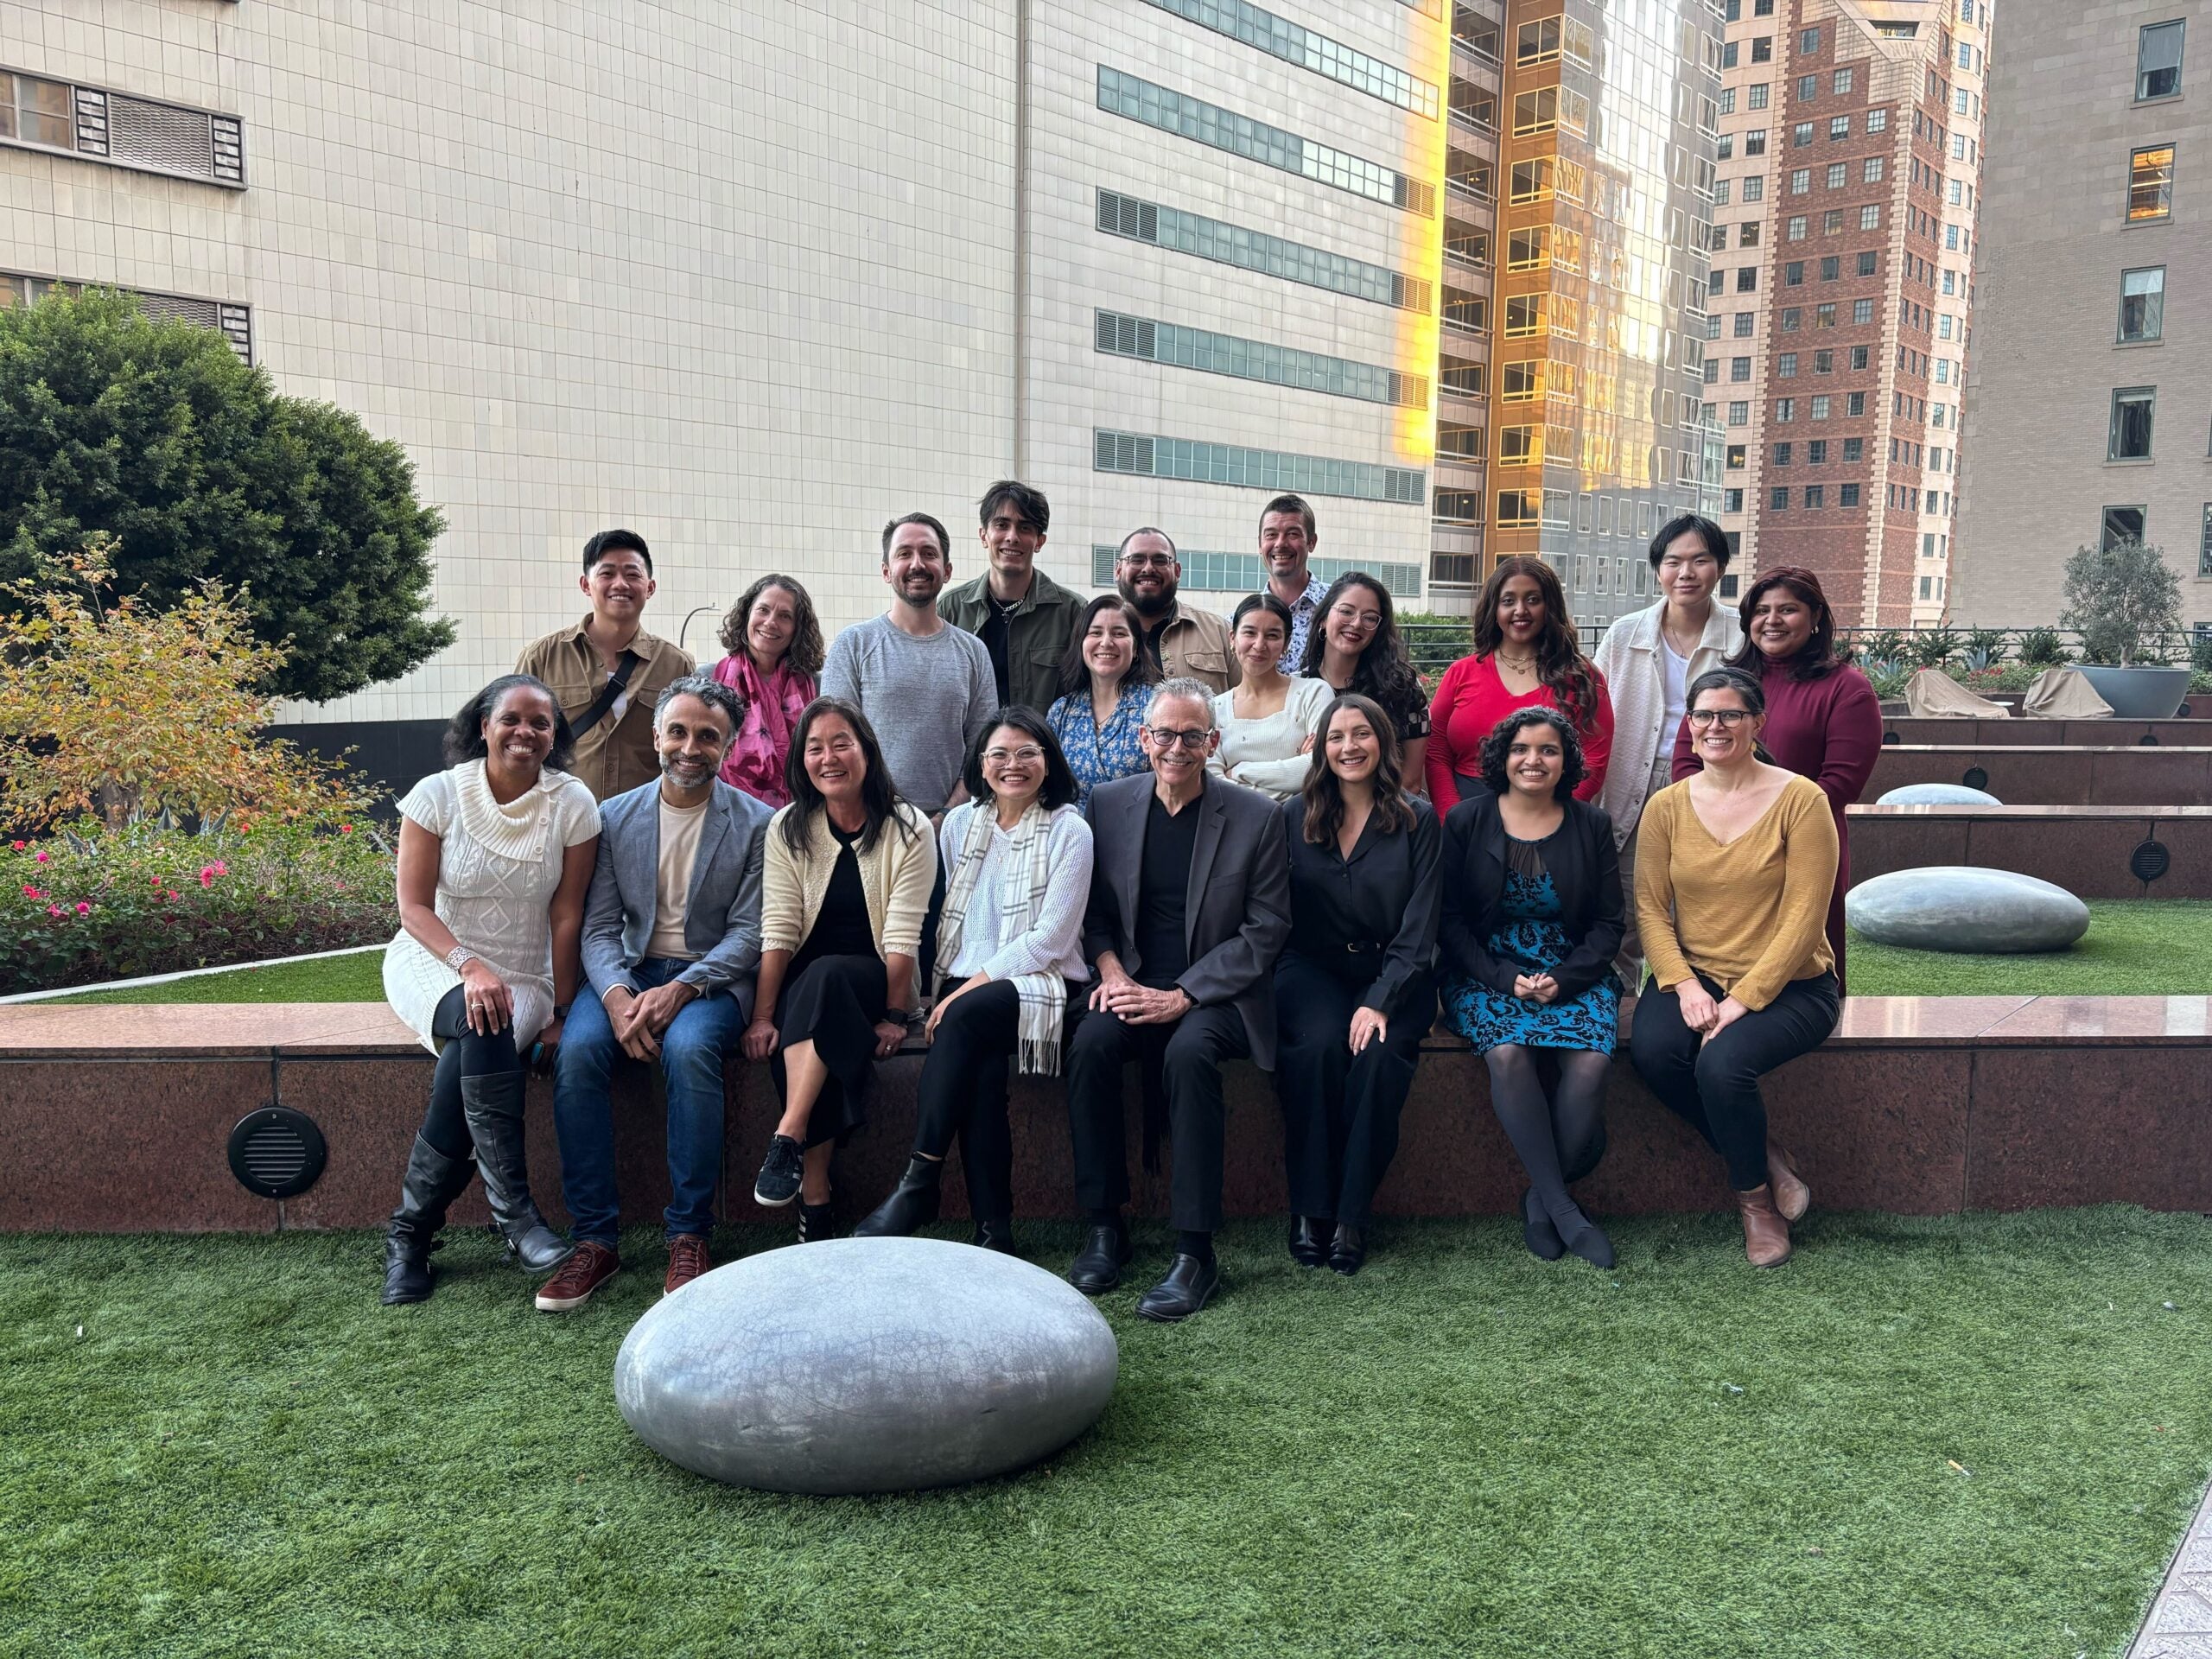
{"x": 671, "y": 943}
{"x": 1190, "y": 905}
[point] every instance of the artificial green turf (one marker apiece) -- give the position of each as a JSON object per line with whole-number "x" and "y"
{"x": 2134, "y": 947}
{"x": 355, "y": 978}
{"x": 1930, "y": 1437}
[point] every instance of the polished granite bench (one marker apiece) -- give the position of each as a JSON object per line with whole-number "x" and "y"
{"x": 2022, "y": 733}
{"x": 2044, "y": 774}
{"x": 115, "y": 1119}
{"x": 2094, "y": 852}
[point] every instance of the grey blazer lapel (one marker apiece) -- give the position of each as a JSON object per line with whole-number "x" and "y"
{"x": 711, "y": 835}
{"x": 1129, "y": 858}
{"x": 1214, "y": 805}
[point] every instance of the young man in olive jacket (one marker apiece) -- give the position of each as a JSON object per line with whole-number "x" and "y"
{"x": 1023, "y": 617}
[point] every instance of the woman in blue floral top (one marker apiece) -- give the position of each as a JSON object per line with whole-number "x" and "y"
{"x": 1531, "y": 911}
{"x": 1103, "y": 685}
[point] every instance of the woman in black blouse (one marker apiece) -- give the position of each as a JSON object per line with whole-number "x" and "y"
{"x": 1354, "y": 646}
{"x": 1532, "y": 917}
{"x": 1355, "y": 990}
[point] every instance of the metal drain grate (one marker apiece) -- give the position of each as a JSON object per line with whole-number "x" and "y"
{"x": 277, "y": 1153}
{"x": 2150, "y": 861}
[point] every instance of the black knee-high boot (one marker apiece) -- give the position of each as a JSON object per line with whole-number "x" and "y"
{"x": 493, "y": 1104}
{"x": 433, "y": 1181}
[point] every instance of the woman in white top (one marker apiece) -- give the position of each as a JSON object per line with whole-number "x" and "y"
{"x": 495, "y": 854}
{"x": 1266, "y": 721}
{"x": 1009, "y": 964}
{"x": 1648, "y": 660}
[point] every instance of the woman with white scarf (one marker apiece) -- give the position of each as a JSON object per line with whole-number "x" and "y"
{"x": 1009, "y": 945}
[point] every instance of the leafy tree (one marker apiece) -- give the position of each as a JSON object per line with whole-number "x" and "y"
{"x": 109, "y": 706}
{"x": 2123, "y": 599}
{"x": 151, "y": 431}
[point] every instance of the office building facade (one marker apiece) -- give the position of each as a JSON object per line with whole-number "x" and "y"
{"x": 2094, "y": 392}
{"x": 1842, "y": 290}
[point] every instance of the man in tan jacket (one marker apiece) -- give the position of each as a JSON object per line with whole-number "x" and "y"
{"x": 1186, "y": 644}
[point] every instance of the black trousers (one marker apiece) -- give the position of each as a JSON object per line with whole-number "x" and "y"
{"x": 1183, "y": 1062}
{"x": 467, "y": 1054}
{"x": 1340, "y": 1110}
{"x": 1715, "y": 1086}
{"x": 963, "y": 1094}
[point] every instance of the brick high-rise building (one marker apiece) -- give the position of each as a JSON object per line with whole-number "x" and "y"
{"x": 1841, "y": 285}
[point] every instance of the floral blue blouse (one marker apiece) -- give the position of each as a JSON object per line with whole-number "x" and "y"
{"x": 1099, "y": 756}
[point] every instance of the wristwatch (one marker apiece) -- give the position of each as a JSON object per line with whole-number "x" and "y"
{"x": 560, "y": 1010}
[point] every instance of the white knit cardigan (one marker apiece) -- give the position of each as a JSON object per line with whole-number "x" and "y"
{"x": 1628, "y": 658}
{"x": 896, "y": 874}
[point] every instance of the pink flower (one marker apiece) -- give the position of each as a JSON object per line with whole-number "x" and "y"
{"x": 17, "y": 846}
{"x": 173, "y": 895}
{"x": 157, "y": 880}
{"x": 84, "y": 909}
{"x": 219, "y": 867}
{"x": 42, "y": 857}
{"x": 207, "y": 876}
{"x": 345, "y": 829}
{"x": 54, "y": 909}
{"x": 30, "y": 892}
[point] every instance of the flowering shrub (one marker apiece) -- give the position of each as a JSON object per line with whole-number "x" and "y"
{"x": 90, "y": 905}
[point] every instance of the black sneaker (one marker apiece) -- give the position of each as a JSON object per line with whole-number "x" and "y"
{"x": 815, "y": 1225}
{"x": 779, "y": 1173}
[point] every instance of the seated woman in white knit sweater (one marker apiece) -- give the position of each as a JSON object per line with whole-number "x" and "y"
{"x": 1266, "y": 721}
{"x": 845, "y": 880}
{"x": 1009, "y": 962}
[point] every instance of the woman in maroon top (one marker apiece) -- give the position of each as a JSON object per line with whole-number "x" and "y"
{"x": 1526, "y": 655}
{"x": 1823, "y": 720}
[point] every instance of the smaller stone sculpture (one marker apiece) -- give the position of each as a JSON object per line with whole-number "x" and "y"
{"x": 866, "y": 1365}
{"x": 1955, "y": 908}
{"x": 1938, "y": 795}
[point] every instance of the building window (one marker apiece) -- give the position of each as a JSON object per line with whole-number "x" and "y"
{"x": 36, "y": 112}
{"x": 1809, "y": 88}
{"x": 1755, "y": 142}
{"x": 1458, "y": 507}
{"x": 1745, "y": 321}
{"x": 1466, "y": 380}
{"x": 1463, "y": 442}
{"x": 1777, "y": 500}
{"x": 1838, "y": 174}
{"x": 1839, "y": 127}
{"x": 1840, "y": 82}
{"x": 1785, "y": 410}
{"x": 1794, "y": 228}
{"x": 1808, "y": 41}
{"x": 1258, "y": 469}
{"x": 1760, "y": 95}
{"x": 1801, "y": 180}
{"x": 1747, "y": 234}
{"x": 2143, "y": 303}
{"x": 1740, "y": 369}
{"x": 2130, "y": 436}
{"x": 2121, "y": 524}
{"x": 1535, "y": 112}
{"x": 1855, "y": 403}
{"x": 1820, "y": 410}
{"x": 1281, "y": 38}
{"x": 1735, "y": 460}
{"x": 1877, "y": 121}
{"x": 1740, "y": 414}
{"x": 1536, "y": 43}
{"x": 1816, "y": 453}
{"x": 1871, "y": 171}
{"x": 1868, "y": 263}
{"x": 1747, "y": 279}
{"x": 1251, "y": 359}
{"x": 121, "y": 130}
{"x": 1793, "y": 319}
{"x": 1870, "y": 217}
{"x": 1815, "y": 495}
{"x": 235, "y": 322}
{"x": 1785, "y": 367}
{"x": 1854, "y": 449}
{"x": 1728, "y": 100}
{"x": 1800, "y": 134}
{"x": 1733, "y": 501}
{"x": 1728, "y": 55}
{"x": 1823, "y": 362}
{"x": 1256, "y": 140}
{"x": 1520, "y": 509}
{"x": 2158, "y": 61}
{"x": 1824, "y": 315}
{"x": 2204, "y": 544}
{"x": 2151, "y": 184}
{"x": 1763, "y": 49}
{"x": 1250, "y": 250}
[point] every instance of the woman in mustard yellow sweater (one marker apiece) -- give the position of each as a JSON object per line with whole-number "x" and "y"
{"x": 1732, "y": 878}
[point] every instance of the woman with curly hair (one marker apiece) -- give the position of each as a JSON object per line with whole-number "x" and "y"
{"x": 1821, "y": 719}
{"x": 1354, "y": 647}
{"x": 775, "y": 667}
{"x": 495, "y": 854}
{"x": 1526, "y": 655}
{"x": 1531, "y": 922}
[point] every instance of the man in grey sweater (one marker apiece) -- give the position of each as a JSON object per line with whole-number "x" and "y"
{"x": 925, "y": 686}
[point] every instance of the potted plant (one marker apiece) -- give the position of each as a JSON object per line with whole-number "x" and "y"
{"x": 2125, "y": 600}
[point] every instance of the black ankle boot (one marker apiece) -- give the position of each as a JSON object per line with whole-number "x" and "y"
{"x": 492, "y": 1105}
{"x": 995, "y": 1233}
{"x": 432, "y": 1182}
{"x": 912, "y": 1203}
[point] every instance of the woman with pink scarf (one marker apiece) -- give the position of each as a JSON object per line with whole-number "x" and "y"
{"x": 774, "y": 664}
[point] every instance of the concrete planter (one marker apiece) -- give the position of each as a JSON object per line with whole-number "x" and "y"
{"x": 2153, "y": 693}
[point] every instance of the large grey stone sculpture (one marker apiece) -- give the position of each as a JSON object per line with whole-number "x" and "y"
{"x": 866, "y": 1365}
{"x": 1952, "y": 907}
{"x": 1938, "y": 795}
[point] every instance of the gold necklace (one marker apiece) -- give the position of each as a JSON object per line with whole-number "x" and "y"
{"x": 1518, "y": 664}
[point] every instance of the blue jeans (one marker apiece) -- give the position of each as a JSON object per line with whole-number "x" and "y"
{"x": 692, "y": 1054}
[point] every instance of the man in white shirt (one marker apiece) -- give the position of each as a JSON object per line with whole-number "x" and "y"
{"x": 671, "y": 944}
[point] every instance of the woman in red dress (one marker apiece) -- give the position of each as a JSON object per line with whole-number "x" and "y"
{"x": 1526, "y": 653}
{"x": 1823, "y": 720}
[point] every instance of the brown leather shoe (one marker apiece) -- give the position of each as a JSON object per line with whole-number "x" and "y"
{"x": 1792, "y": 1197}
{"x": 591, "y": 1266}
{"x": 1766, "y": 1235}
{"x": 687, "y": 1260}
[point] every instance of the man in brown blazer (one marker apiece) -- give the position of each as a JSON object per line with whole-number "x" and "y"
{"x": 1190, "y": 905}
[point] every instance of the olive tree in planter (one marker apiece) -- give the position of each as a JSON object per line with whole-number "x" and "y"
{"x": 2125, "y": 600}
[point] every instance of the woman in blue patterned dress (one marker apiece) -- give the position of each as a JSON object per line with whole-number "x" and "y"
{"x": 1105, "y": 684}
{"x": 1532, "y": 917}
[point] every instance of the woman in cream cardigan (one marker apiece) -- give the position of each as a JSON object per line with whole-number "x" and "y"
{"x": 844, "y": 886}
{"x": 1648, "y": 659}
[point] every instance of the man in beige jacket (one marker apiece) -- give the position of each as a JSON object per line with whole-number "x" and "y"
{"x": 1186, "y": 644}
{"x": 1650, "y": 659}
